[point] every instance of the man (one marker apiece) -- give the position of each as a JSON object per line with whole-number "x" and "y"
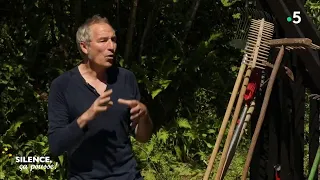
{"x": 94, "y": 108}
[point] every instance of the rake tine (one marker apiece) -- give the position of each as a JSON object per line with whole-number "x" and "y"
{"x": 311, "y": 95}
{"x": 315, "y": 96}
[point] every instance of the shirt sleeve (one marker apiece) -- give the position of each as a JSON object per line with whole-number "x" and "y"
{"x": 62, "y": 135}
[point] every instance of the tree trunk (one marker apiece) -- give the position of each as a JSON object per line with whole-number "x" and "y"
{"x": 151, "y": 18}
{"x": 118, "y": 14}
{"x": 194, "y": 9}
{"x": 130, "y": 32}
{"x": 77, "y": 13}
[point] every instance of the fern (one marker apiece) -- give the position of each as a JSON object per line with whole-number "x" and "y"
{"x": 13, "y": 129}
{"x": 163, "y": 136}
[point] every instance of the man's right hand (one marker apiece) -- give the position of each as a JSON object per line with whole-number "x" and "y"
{"x": 102, "y": 103}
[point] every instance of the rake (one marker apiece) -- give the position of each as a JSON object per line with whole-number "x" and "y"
{"x": 257, "y": 47}
{"x": 239, "y": 41}
{"x": 256, "y": 55}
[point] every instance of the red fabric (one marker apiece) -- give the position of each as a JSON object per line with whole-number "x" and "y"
{"x": 253, "y": 85}
{"x": 277, "y": 176}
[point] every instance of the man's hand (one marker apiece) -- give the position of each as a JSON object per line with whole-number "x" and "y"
{"x": 102, "y": 103}
{"x": 141, "y": 120}
{"x": 138, "y": 110}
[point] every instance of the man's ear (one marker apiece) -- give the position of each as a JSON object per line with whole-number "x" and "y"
{"x": 84, "y": 47}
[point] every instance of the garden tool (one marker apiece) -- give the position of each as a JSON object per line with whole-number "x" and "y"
{"x": 238, "y": 41}
{"x": 277, "y": 169}
{"x": 317, "y": 158}
{"x": 246, "y": 14}
{"x": 252, "y": 107}
{"x": 252, "y": 87}
{"x": 226, "y": 118}
{"x": 314, "y": 165}
{"x": 260, "y": 32}
{"x": 288, "y": 44}
{"x": 257, "y": 48}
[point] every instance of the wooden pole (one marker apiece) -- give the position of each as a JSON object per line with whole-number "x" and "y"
{"x": 263, "y": 112}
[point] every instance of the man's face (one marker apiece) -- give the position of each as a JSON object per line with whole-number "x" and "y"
{"x": 101, "y": 48}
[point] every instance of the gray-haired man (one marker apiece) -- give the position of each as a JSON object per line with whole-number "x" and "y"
{"x": 93, "y": 109}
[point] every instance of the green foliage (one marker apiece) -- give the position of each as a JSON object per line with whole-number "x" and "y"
{"x": 13, "y": 146}
{"x": 229, "y": 2}
{"x": 181, "y": 148}
{"x": 183, "y": 82}
{"x": 313, "y": 9}
{"x": 185, "y": 78}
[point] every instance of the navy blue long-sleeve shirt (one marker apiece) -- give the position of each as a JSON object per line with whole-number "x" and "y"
{"x": 102, "y": 150}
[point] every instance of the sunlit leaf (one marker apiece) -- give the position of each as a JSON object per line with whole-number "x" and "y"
{"x": 190, "y": 134}
{"x": 13, "y": 128}
{"x": 183, "y": 123}
{"x": 2, "y": 176}
{"x": 228, "y": 3}
{"x": 236, "y": 16}
{"x": 211, "y": 131}
{"x": 178, "y": 151}
{"x": 155, "y": 93}
{"x": 209, "y": 145}
{"x": 165, "y": 83}
{"x": 163, "y": 135}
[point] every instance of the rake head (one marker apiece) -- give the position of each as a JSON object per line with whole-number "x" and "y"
{"x": 258, "y": 43}
{"x": 246, "y": 15}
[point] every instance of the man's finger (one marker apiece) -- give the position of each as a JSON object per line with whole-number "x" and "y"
{"x": 130, "y": 103}
{"x": 106, "y": 103}
{"x": 104, "y": 100}
{"x": 134, "y": 117}
{"x": 110, "y": 103}
{"x": 135, "y": 110}
{"x": 106, "y": 93}
{"x": 104, "y": 108}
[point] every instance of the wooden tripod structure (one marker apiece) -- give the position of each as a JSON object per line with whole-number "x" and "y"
{"x": 279, "y": 148}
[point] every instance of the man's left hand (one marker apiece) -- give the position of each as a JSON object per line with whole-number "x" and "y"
{"x": 138, "y": 110}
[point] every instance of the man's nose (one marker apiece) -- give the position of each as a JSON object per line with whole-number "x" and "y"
{"x": 110, "y": 45}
